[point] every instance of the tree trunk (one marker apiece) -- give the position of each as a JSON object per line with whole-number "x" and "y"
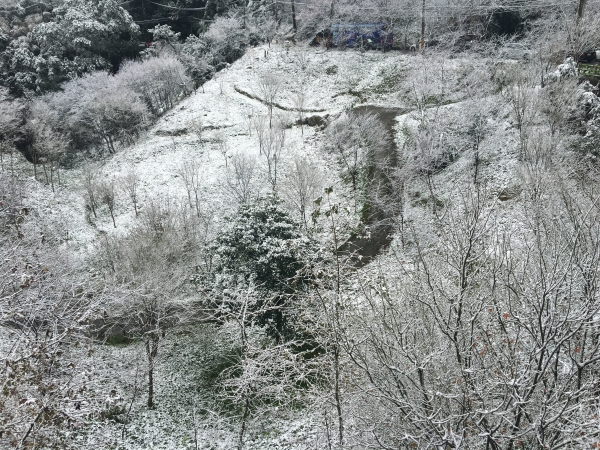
{"x": 112, "y": 215}
{"x": 294, "y": 25}
{"x": 243, "y": 427}
{"x": 423, "y": 27}
{"x": 151, "y": 351}
{"x": 150, "y": 386}
{"x": 338, "y": 399}
{"x": 46, "y": 173}
{"x": 581, "y": 9}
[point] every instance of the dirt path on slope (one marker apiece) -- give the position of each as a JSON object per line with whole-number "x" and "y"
{"x": 383, "y": 206}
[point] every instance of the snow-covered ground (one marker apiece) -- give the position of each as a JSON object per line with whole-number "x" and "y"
{"x": 225, "y": 116}
{"x": 333, "y": 81}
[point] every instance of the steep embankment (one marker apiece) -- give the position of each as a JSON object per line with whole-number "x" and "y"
{"x": 327, "y": 83}
{"x": 320, "y": 83}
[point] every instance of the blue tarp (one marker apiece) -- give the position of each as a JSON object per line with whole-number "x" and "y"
{"x": 369, "y": 35}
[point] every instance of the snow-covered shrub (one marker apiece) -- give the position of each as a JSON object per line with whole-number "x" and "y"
{"x": 223, "y": 43}
{"x": 589, "y": 141}
{"x": 81, "y": 36}
{"x": 161, "y": 82}
{"x": 263, "y": 246}
{"x": 96, "y": 110}
{"x": 566, "y": 70}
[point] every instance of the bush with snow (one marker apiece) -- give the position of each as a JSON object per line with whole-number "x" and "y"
{"x": 264, "y": 246}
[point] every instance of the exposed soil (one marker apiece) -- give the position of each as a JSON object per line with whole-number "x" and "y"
{"x": 377, "y": 235}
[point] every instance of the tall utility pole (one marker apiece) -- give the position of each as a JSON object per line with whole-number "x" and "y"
{"x": 580, "y": 9}
{"x": 423, "y": 26}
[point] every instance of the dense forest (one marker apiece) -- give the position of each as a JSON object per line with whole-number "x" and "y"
{"x": 302, "y": 225}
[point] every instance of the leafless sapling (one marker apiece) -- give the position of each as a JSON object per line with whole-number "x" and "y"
{"x": 189, "y": 172}
{"x": 108, "y": 196}
{"x": 91, "y": 191}
{"x": 299, "y": 99}
{"x": 131, "y": 183}
{"x": 274, "y": 143}
{"x": 197, "y": 127}
{"x": 240, "y": 176}
{"x": 260, "y": 126}
{"x": 222, "y": 145}
{"x": 269, "y": 87}
{"x": 303, "y": 184}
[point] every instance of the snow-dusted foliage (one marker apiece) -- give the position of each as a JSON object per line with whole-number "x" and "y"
{"x": 161, "y": 82}
{"x": 263, "y": 243}
{"x": 100, "y": 110}
{"x": 263, "y": 246}
{"x": 95, "y": 110}
{"x": 223, "y": 43}
{"x": 588, "y": 108}
{"x": 80, "y": 36}
{"x": 46, "y": 311}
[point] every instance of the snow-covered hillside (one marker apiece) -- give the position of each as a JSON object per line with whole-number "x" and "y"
{"x": 330, "y": 81}
{"x": 459, "y": 150}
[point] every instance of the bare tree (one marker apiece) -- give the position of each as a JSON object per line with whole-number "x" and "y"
{"x": 197, "y": 128}
{"x": 91, "y": 190}
{"x": 259, "y": 123}
{"x": 153, "y": 299}
{"x": 131, "y": 184}
{"x": 470, "y": 333}
{"x": 303, "y": 184}
{"x": 274, "y": 142}
{"x": 269, "y": 86}
{"x": 189, "y": 171}
{"x": 299, "y": 99}
{"x": 558, "y": 103}
{"x": 327, "y": 305}
{"x": 521, "y": 98}
{"x": 108, "y": 195}
{"x": 153, "y": 315}
{"x": 265, "y": 374}
{"x": 476, "y": 132}
{"x": 222, "y": 145}
{"x": 47, "y": 144}
{"x": 301, "y": 57}
{"x": 239, "y": 177}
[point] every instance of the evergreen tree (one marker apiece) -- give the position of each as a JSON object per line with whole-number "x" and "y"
{"x": 263, "y": 246}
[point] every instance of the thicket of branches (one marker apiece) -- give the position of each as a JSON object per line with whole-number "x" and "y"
{"x": 477, "y": 328}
